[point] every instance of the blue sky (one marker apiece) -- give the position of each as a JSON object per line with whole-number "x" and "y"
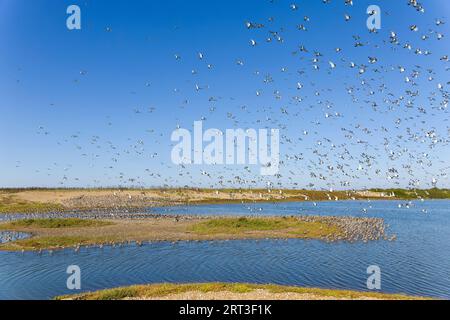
{"x": 93, "y": 107}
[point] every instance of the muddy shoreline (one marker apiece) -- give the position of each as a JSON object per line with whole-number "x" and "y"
{"x": 66, "y": 201}
{"x": 193, "y": 228}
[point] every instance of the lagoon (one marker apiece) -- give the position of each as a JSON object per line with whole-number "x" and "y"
{"x": 417, "y": 263}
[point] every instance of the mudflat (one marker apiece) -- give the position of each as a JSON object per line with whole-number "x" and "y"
{"x": 60, "y": 200}
{"x": 73, "y": 233}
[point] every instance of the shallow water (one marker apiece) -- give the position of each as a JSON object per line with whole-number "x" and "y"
{"x": 418, "y": 263}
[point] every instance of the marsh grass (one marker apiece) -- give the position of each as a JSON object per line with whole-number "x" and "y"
{"x": 62, "y": 233}
{"x": 297, "y": 227}
{"x": 10, "y": 204}
{"x": 38, "y": 241}
{"x": 55, "y": 223}
{"x": 46, "y": 243}
{"x": 164, "y": 290}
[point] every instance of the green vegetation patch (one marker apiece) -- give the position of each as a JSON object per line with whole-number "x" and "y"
{"x": 293, "y": 226}
{"x": 10, "y": 204}
{"x": 163, "y": 290}
{"x": 41, "y": 243}
{"x": 54, "y": 223}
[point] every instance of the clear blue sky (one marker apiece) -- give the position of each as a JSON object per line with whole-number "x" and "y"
{"x": 96, "y": 107}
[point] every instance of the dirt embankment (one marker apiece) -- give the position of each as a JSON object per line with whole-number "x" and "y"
{"x": 49, "y": 200}
{"x": 230, "y": 291}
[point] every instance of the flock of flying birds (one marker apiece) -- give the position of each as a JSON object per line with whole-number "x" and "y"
{"x": 391, "y": 131}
